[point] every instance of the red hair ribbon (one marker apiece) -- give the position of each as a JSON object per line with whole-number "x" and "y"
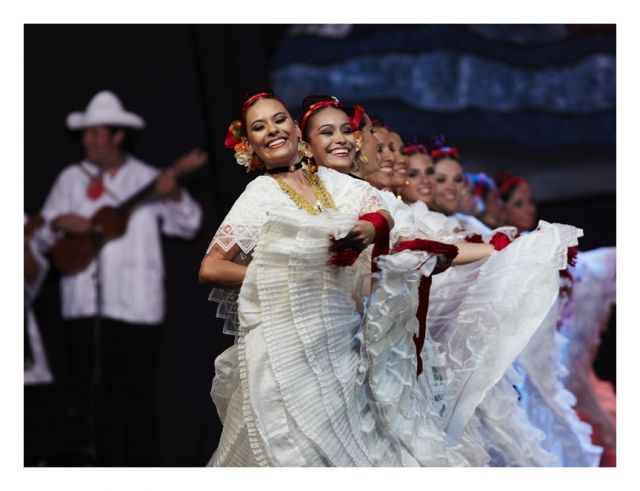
{"x": 357, "y": 116}
{"x": 511, "y": 182}
{"x": 317, "y": 105}
{"x": 449, "y": 252}
{"x": 444, "y": 151}
{"x": 415, "y": 149}
{"x": 254, "y": 98}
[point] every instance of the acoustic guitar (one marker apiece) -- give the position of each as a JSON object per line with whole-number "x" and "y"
{"x": 73, "y": 252}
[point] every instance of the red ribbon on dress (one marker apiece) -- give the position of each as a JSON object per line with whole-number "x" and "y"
{"x": 381, "y": 243}
{"x": 499, "y": 241}
{"x": 474, "y": 238}
{"x": 449, "y": 252}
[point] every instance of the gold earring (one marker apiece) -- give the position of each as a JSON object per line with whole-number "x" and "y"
{"x": 301, "y": 145}
{"x": 407, "y": 182}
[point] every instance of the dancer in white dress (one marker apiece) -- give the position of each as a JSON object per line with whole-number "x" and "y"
{"x": 330, "y": 146}
{"x": 295, "y": 388}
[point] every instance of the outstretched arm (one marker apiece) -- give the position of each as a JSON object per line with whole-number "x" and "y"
{"x": 469, "y": 252}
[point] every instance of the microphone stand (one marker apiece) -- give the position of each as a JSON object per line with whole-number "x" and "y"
{"x": 98, "y": 376}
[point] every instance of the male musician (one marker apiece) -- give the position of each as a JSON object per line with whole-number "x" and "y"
{"x": 129, "y": 270}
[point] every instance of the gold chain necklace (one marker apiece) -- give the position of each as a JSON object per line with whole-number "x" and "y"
{"x": 318, "y": 187}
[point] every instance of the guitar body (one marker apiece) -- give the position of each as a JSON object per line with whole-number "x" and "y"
{"x": 74, "y": 252}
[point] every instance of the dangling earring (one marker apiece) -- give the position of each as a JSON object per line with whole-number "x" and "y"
{"x": 301, "y": 145}
{"x": 256, "y": 163}
{"x": 362, "y": 159}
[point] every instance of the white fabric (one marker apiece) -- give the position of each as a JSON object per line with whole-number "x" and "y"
{"x": 39, "y": 372}
{"x": 132, "y": 265}
{"x": 403, "y": 223}
{"x": 104, "y": 108}
{"x": 288, "y": 392}
{"x": 548, "y": 403}
{"x": 249, "y": 213}
{"x": 585, "y": 315}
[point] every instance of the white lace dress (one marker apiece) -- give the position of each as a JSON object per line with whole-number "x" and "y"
{"x": 305, "y": 384}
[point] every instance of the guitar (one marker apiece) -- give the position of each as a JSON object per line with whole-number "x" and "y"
{"x": 73, "y": 252}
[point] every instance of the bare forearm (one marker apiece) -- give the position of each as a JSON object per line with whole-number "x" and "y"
{"x": 469, "y": 252}
{"x": 221, "y": 273}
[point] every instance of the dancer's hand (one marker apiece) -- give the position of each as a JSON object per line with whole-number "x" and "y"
{"x": 358, "y": 238}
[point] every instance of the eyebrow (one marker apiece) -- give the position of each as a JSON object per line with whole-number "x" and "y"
{"x": 328, "y": 125}
{"x": 274, "y": 116}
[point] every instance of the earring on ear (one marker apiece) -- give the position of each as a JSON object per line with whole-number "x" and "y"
{"x": 358, "y": 137}
{"x": 256, "y": 163}
{"x": 362, "y": 159}
{"x": 301, "y": 145}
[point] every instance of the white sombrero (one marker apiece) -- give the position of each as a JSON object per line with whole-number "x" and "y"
{"x": 104, "y": 109}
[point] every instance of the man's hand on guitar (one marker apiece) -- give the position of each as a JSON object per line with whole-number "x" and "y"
{"x": 72, "y": 223}
{"x": 167, "y": 185}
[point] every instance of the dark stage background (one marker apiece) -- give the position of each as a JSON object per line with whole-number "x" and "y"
{"x": 188, "y": 82}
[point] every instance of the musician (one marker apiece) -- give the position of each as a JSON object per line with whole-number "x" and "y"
{"x": 131, "y": 270}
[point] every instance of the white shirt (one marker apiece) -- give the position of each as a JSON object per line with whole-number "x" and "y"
{"x": 132, "y": 266}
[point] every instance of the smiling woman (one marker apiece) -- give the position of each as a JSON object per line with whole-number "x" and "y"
{"x": 290, "y": 390}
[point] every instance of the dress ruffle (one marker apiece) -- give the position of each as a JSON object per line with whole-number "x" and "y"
{"x": 484, "y": 313}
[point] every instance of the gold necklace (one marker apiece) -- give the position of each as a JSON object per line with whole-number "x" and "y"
{"x": 318, "y": 187}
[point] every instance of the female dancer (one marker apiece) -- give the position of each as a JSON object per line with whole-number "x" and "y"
{"x": 294, "y": 389}
{"x": 526, "y": 457}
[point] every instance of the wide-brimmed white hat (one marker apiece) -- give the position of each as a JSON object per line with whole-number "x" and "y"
{"x": 104, "y": 109}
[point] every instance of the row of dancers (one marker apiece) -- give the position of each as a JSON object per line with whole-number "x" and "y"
{"x": 390, "y": 310}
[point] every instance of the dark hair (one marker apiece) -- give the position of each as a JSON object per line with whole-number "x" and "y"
{"x": 506, "y": 189}
{"x": 439, "y": 150}
{"x": 378, "y": 122}
{"x": 128, "y": 141}
{"x": 309, "y": 101}
{"x": 247, "y": 103}
{"x": 414, "y": 145}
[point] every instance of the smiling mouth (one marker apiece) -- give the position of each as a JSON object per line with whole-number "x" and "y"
{"x": 277, "y": 143}
{"x": 340, "y": 152}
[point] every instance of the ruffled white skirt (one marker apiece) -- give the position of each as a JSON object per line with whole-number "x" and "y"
{"x": 300, "y": 387}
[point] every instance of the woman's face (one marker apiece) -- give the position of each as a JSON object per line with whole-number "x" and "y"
{"x": 331, "y": 139}
{"x": 448, "y": 183}
{"x": 271, "y": 132}
{"x": 381, "y": 178}
{"x": 521, "y": 210}
{"x": 402, "y": 161}
{"x": 418, "y": 185}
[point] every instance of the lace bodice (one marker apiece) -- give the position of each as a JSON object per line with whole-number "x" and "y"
{"x": 248, "y": 214}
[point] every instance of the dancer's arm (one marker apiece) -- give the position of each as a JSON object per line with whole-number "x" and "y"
{"x": 217, "y": 269}
{"x": 469, "y": 252}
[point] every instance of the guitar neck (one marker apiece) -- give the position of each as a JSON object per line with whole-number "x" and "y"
{"x": 145, "y": 194}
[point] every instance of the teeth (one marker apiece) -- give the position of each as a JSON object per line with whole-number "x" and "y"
{"x": 275, "y": 142}
{"x": 340, "y": 151}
